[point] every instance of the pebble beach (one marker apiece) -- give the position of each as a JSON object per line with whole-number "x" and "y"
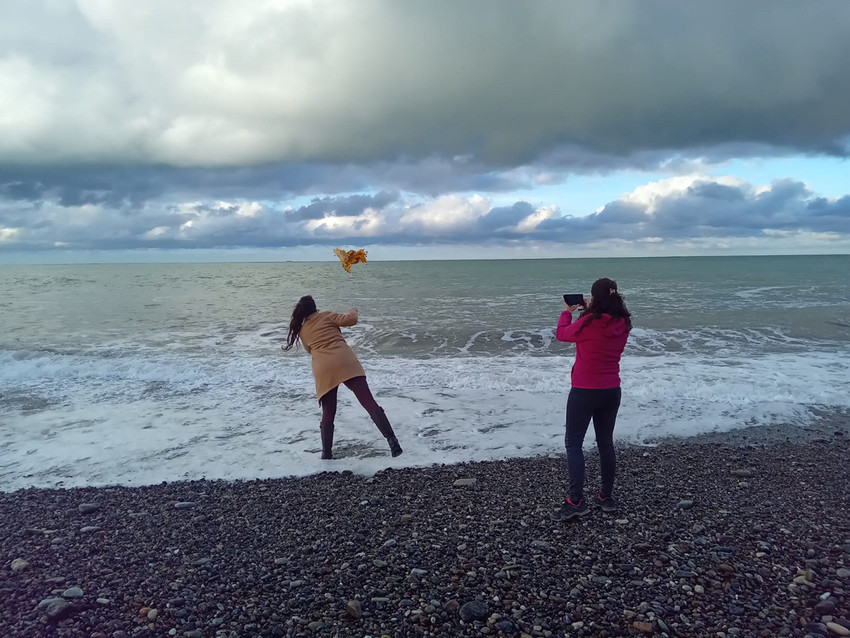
{"x": 715, "y": 537}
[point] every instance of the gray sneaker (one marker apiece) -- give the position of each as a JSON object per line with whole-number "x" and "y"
{"x": 607, "y": 504}
{"x": 570, "y": 510}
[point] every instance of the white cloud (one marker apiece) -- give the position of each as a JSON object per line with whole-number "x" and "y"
{"x": 531, "y": 222}
{"x": 649, "y": 195}
{"x": 450, "y": 212}
{"x": 157, "y": 233}
{"x": 368, "y": 224}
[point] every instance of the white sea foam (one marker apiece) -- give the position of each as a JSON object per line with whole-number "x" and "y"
{"x": 138, "y": 416}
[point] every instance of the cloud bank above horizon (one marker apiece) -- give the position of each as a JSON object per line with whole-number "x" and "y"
{"x": 678, "y": 209}
{"x": 221, "y": 125}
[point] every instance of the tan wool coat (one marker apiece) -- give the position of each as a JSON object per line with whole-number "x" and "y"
{"x": 333, "y": 360}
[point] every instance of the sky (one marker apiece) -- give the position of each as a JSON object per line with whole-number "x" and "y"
{"x": 266, "y": 130}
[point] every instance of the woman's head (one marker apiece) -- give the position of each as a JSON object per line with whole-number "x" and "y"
{"x": 307, "y": 304}
{"x": 605, "y": 299}
{"x": 603, "y": 289}
{"x": 305, "y": 307}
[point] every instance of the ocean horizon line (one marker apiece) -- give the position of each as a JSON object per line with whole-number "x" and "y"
{"x": 436, "y": 260}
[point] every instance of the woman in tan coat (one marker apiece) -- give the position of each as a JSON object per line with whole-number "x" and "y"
{"x": 334, "y": 362}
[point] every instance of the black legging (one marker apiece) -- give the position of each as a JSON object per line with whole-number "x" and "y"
{"x": 582, "y": 406}
{"x": 360, "y": 388}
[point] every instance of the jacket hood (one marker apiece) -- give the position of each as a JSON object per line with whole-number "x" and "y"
{"x": 611, "y": 326}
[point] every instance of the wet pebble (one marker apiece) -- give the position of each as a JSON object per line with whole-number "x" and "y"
{"x": 474, "y": 610}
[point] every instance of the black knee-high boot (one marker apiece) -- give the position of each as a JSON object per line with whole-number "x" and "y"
{"x": 384, "y": 427}
{"x": 327, "y": 431}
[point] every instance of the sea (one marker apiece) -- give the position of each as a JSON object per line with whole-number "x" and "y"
{"x": 135, "y": 374}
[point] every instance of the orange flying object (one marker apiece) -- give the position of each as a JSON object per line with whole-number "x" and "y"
{"x": 350, "y": 257}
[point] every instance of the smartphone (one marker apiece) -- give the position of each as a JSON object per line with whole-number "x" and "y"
{"x": 574, "y": 300}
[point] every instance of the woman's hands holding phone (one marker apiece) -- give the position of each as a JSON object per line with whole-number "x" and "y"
{"x": 574, "y": 307}
{"x": 569, "y": 307}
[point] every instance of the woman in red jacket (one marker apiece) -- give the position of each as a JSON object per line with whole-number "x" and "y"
{"x": 600, "y": 335}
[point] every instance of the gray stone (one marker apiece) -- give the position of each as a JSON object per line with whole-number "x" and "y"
{"x": 352, "y": 608}
{"x": 57, "y": 609}
{"x": 842, "y": 572}
{"x": 540, "y": 544}
{"x": 19, "y": 565}
{"x": 837, "y": 629}
{"x": 89, "y": 528}
{"x": 88, "y": 508}
{"x": 184, "y": 505}
{"x": 473, "y": 610}
{"x": 743, "y": 473}
{"x": 72, "y": 592}
{"x": 465, "y": 482}
{"x": 825, "y": 606}
{"x": 685, "y": 504}
{"x": 44, "y": 603}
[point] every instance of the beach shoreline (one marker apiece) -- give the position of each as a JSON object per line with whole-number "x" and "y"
{"x": 747, "y": 535}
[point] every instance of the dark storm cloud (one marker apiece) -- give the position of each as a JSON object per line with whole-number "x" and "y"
{"x": 342, "y": 206}
{"x": 505, "y": 216}
{"x": 127, "y": 188}
{"x": 347, "y": 83}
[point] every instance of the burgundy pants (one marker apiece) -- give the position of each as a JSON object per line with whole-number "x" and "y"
{"x": 360, "y": 388}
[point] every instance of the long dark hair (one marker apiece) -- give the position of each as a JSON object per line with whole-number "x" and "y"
{"x": 606, "y": 300}
{"x": 303, "y": 309}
